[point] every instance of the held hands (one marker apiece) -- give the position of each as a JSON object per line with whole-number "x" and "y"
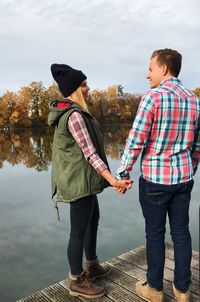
{"x": 122, "y": 185}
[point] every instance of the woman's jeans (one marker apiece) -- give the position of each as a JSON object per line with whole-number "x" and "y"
{"x": 157, "y": 201}
{"x": 84, "y": 217}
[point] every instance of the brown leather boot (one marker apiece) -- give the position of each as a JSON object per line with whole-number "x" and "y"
{"x": 95, "y": 270}
{"x": 83, "y": 286}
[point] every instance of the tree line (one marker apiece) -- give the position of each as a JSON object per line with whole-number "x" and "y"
{"x": 29, "y": 106}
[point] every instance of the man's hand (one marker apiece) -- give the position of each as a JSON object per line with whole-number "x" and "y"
{"x": 122, "y": 183}
{"x": 122, "y": 190}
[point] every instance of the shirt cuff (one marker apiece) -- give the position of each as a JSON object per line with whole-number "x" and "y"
{"x": 122, "y": 174}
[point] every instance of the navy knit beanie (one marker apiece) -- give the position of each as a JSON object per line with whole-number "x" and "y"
{"x": 67, "y": 78}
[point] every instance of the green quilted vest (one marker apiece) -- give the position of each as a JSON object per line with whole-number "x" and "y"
{"x": 72, "y": 176}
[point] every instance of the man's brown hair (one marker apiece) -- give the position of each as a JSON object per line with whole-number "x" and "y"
{"x": 169, "y": 57}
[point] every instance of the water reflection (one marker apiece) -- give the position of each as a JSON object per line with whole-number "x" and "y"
{"x": 32, "y": 147}
{"x": 29, "y": 147}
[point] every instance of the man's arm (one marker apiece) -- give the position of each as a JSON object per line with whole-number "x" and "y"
{"x": 138, "y": 136}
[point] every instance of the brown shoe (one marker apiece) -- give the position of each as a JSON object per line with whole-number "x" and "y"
{"x": 95, "y": 270}
{"x": 148, "y": 293}
{"x": 181, "y": 297}
{"x": 83, "y": 286}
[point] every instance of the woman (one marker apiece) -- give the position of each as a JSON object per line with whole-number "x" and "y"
{"x": 79, "y": 171}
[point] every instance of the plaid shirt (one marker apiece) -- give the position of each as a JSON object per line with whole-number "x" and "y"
{"x": 78, "y": 129}
{"x": 167, "y": 129}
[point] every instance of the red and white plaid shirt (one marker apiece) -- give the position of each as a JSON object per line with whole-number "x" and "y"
{"x": 167, "y": 130}
{"x": 78, "y": 129}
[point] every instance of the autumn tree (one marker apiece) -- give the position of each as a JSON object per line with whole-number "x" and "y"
{"x": 9, "y": 113}
{"x": 197, "y": 92}
{"x": 4, "y": 113}
{"x": 38, "y": 101}
{"x": 23, "y": 107}
{"x": 53, "y": 92}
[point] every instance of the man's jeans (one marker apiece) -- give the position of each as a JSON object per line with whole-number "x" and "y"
{"x": 157, "y": 200}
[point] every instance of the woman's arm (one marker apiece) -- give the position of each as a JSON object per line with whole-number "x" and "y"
{"x": 78, "y": 129}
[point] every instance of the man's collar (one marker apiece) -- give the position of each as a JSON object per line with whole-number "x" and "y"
{"x": 171, "y": 80}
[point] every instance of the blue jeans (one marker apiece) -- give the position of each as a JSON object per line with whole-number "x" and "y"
{"x": 157, "y": 201}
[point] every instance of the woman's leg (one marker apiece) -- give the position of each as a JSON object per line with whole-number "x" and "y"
{"x": 94, "y": 269}
{"x": 80, "y": 216}
{"x": 90, "y": 240}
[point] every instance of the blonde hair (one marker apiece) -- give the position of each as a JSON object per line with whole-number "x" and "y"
{"x": 77, "y": 97}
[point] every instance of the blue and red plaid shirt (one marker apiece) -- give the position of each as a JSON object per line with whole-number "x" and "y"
{"x": 167, "y": 129}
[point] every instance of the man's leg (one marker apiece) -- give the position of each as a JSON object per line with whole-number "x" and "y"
{"x": 154, "y": 199}
{"x": 179, "y": 224}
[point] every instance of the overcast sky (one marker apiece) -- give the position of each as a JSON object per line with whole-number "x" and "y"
{"x": 110, "y": 41}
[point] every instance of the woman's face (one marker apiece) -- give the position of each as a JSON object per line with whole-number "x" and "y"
{"x": 85, "y": 89}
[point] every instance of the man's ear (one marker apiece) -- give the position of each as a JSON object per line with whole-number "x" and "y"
{"x": 164, "y": 70}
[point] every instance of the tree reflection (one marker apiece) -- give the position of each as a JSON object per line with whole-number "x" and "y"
{"x": 29, "y": 147}
{"x": 114, "y": 139}
{"x": 33, "y": 147}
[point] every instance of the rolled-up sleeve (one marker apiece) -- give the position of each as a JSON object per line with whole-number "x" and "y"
{"x": 78, "y": 129}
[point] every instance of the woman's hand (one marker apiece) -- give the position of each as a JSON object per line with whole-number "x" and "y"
{"x": 122, "y": 184}
{"x": 118, "y": 184}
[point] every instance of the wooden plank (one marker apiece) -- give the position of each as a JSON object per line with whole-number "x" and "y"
{"x": 119, "y": 294}
{"x": 140, "y": 261}
{"x": 127, "y": 269}
{"x": 169, "y": 262}
{"x": 38, "y": 296}
{"x": 114, "y": 292}
{"x": 128, "y": 282}
{"x": 169, "y": 253}
{"x": 136, "y": 272}
{"x": 57, "y": 293}
{"x": 140, "y": 274}
{"x": 65, "y": 284}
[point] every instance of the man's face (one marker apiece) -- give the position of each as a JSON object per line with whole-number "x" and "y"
{"x": 156, "y": 73}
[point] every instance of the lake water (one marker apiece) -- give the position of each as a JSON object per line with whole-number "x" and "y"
{"x": 33, "y": 242}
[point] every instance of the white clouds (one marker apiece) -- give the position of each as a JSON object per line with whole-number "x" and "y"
{"x": 111, "y": 41}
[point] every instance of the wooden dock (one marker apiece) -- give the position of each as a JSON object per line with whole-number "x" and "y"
{"x": 127, "y": 269}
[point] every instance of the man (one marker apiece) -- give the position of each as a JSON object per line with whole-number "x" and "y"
{"x": 167, "y": 129}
